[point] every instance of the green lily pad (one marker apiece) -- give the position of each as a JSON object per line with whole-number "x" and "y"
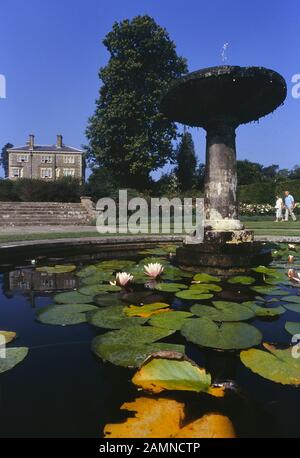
{"x": 223, "y": 311}
{"x": 226, "y": 336}
{"x": 113, "y": 318}
{"x": 243, "y": 279}
{"x": 160, "y": 373}
{"x": 174, "y": 273}
{"x": 264, "y": 311}
{"x": 293, "y": 299}
{"x": 64, "y": 314}
{"x": 276, "y": 365}
{"x": 72, "y": 297}
{"x": 115, "y": 264}
{"x": 205, "y": 287}
{"x": 292, "y": 327}
{"x": 206, "y": 278}
{"x": 86, "y": 271}
{"x": 104, "y": 299}
{"x": 170, "y": 320}
{"x": 265, "y": 270}
{"x": 97, "y": 277}
{"x": 170, "y": 287}
{"x": 131, "y": 355}
{"x": 130, "y": 347}
{"x": 193, "y": 294}
{"x": 13, "y": 356}
{"x": 270, "y": 290}
{"x": 154, "y": 251}
{"x": 58, "y": 269}
{"x": 292, "y": 307}
{"x": 92, "y": 290}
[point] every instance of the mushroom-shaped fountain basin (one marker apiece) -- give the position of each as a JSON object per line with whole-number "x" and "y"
{"x": 233, "y": 94}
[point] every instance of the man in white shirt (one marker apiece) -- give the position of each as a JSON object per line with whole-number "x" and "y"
{"x": 289, "y": 203}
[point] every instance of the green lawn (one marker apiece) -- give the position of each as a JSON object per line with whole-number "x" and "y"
{"x": 260, "y": 228}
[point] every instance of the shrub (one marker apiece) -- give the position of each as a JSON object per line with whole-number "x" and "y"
{"x": 257, "y": 193}
{"x": 290, "y": 185}
{"x": 66, "y": 189}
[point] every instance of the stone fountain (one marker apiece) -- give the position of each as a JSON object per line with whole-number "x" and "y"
{"x": 219, "y": 99}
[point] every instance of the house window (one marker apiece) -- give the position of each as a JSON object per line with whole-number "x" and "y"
{"x": 57, "y": 173}
{"x": 69, "y": 159}
{"x": 17, "y": 172}
{"x": 46, "y": 159}
{"x": 68, "y": 172}
{"x": 22, "y": 158}
{"x": 46, "y": 173}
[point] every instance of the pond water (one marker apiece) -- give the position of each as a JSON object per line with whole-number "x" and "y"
{"x": 63, "y": 389}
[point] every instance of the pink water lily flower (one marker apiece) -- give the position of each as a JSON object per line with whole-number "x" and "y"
{"x": 294, "y": 275}
{"x": 122, "y": 279}
{"x": 291, "y": 246}
{"x": 290, "y": 258}
{"x": 154, "y": 270}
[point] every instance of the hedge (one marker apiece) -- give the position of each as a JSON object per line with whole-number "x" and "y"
{"x": 66, "y": 189}
{"x": 265, "y": 193}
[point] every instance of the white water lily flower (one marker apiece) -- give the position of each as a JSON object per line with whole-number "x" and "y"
{"x": 291, "y": 246}
{"x": 122, "y": 279}
{"x": 154, "y": 270}
{"x": 294, "y": 275}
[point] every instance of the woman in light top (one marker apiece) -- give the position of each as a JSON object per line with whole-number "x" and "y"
{"x": 278, "y": 207}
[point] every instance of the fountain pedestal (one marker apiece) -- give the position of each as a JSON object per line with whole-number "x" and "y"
{"x": 219, "y": 99}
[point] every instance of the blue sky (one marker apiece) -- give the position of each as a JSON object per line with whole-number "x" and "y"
{"x": 51, "y": 51}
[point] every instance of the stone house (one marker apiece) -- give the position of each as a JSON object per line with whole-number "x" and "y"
{"x": 45, "y": 162}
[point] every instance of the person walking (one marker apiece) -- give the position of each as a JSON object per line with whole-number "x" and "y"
{"x": 289, "y": 204}
{"x": 278, "y": 207}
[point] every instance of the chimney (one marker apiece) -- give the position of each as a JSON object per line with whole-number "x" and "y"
{"x": 59, "y": 141}
{"x": 31, "y": 141}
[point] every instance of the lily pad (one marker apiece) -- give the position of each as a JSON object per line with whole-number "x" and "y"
{"x": 270, "y": 290}
{"x": 292, "y": 307}
{"x": 113, "y": 318}
{"x": 13, "y": 356}
{"x": 264, "y": 311}
{"x": 242, "y": 279}
{"x": 265, "y": 270}
{"x": 276, "y": 365}
{"x": 9, "y": 336}
{"x": 115, "y": 264}
{"x": 64, "y": 314}
{"x": 206, "y": 287}
{"x": 171, "y": 320}
{"x": 58, "y": 269}
{"x": 173, "y": 373}
{"x": 105, "y": 300}
{"x": 293, "y": 299}
{"x": 193, "y": 294}
{"x": 223, "y": 311}
{"x": 72, "y": 297}
{"x": 147, "y": 310}
{"x": 206, "y": 278}
{"x": 226, "y": 336}
{"x": 92, "y": 290}
{"x": 292, "y": 327}
{"x": 96, "y": 278}
{"x": 130, "y": 347}
{"x": 170, "y": 287}
{"x": 86, "y": 271}
{"x": 141, "y": 297}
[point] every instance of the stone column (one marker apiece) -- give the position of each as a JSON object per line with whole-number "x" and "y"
{"x": 221, "y": 206}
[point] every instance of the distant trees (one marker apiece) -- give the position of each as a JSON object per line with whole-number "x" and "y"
{"x": 186, "y": 163}
{"x": 127, "y": 134}
{"x": 4, "y": 158}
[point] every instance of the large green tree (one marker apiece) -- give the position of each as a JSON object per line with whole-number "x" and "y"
{"x": 186, "y": 163}
{"x": 4, "y": 158}
{"x": 127, "y": 133}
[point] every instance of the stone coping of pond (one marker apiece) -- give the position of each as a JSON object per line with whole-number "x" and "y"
{"x": 122, "y": 240}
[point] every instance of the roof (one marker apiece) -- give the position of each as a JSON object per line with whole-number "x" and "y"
{"x": 46, "y": 149}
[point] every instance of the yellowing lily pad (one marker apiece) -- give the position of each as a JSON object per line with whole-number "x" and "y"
{"x": 210, "y": 426}
{"x": 154, "y": 418}
{"x": 172, "y": 373}
{"x": 276, "y": 365}
{"x": 225, "y": 336}
{"x": 9, "y": 336}
{"x": 147, "y": 310}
